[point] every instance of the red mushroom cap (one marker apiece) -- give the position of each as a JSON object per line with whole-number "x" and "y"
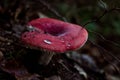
{"x": 55, "y": 35}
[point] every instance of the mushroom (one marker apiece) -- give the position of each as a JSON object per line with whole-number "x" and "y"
{"x": 54, "y": 36}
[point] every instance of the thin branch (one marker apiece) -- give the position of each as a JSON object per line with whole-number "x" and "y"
{"x": 95, "y": 20}
{"x": 52, "y": 10}
{"x": 101, "y": 16}
{"x": 108, "y": 54}
{"x": 106, "y": 51}
{"x": 103, "y": 38}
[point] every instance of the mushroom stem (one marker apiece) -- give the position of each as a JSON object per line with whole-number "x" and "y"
{"x": 46, "y": 58}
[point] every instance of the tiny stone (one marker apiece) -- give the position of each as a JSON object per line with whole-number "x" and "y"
{"x": 8, "y": 43}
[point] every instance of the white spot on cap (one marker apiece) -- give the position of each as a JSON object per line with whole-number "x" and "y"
{"x": 47, "y": 41}
{"x": 68, "y": 45}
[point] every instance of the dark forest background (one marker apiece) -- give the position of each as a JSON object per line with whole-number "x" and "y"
{"x": 98, "y": 59}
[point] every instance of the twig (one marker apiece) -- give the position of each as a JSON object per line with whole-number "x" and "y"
{"x": 108, "y": 53}
{"x": 86, "y": 68}
{"x": 103, "y": 38}
{"x": 101, "y": 16}
{"x": 52, "y": 10}
{"x": 61, "y": 62}
{"x": 91, "y": 21}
